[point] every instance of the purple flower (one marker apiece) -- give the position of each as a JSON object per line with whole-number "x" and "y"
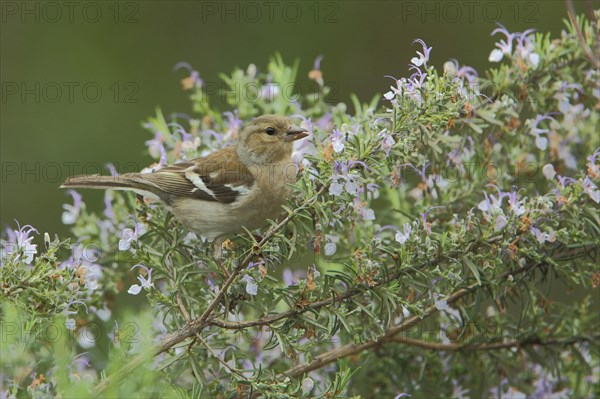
{"x": 387, "y": 141}
{"x": 191, "y": 81}
{"x": 252, "y": 265}
{"x": 492, "y": 205}
{"x": 79, "y": 364}
{"x": 71, "y": 212}
{"x": 548, "y": 171}
{"x": 572, "y": 113}
{"x": 468, "y": 73}
{"x": 188, "y": 142}
{"x": 426, "y": 224}
{"x": 342, "y": 178}
{"x": 525, "y": 49}
{"x": 500, "y": 222}
{"x": 515, "y": 205}
{"x": 103, "y": 314}
{"x": 145, "y": 282}
{"x": 592, "y": 158}
{"x": 83, "y": 260}
{"x": 590, "y": 189}
{"x": 316, "y": 74}
{"x": 70, "y": 322}
{"x": 290, "y": 277}
{"x": 314, "y": 272}
{"x": 361, "y": 207}
{"x": 462, "y": 72}
{"x": 287, "y": 276}
{"x": 112, "y": 169}
{"x": 325, "y": 122}
{"x": 540, "y": 141}
{"x": 416, "y": 80}
{"x": 504, "y": 46}
{"x": 108, "y": 208}
{"x": 330, "y": 248}
{"x": 317, "y": 63}
{"x": 155, "y": 146}
{"x": 269, "y": 91}
{"x": 403, "y": 237}
{"x": 5, "y": 394}
{"x": 19, "y": 241}
{"x": 335, "y": 187}
{"x": 128, "y": 236}
{"x": 337, "y": 140}
{"x": 209, "y": 134}
{"x": 564, "y": 181}
{"x": 442, "y": 305}
{"x": 593, "y": 168}
{"x": 395, "y": 91}
{"x": 234, "y": 124}
{"x": 307, "y": 385}
{"x": 410, "y": 87}
{"x": 462, "y": 153}
{"x": 424, "y": 56}
{"x": 542, "y": 236}
{"x": 163, "y": 157}
{"x": 307, "y": 146}
{"x": 365, "y": 213}
{"x": 251, "y": 286}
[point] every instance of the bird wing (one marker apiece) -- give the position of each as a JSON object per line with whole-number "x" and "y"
{"x": 217, "y": 177}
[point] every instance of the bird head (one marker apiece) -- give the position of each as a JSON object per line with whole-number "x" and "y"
{"x": 267, "y": 139}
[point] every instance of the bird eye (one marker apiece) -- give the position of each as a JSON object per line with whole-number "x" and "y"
{"x": 270, "y": 131}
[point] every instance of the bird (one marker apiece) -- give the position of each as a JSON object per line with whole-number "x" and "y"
{"x": 236, "y": 187}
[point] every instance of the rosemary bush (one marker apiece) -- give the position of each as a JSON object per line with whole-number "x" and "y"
{"x": 424, "y": 253}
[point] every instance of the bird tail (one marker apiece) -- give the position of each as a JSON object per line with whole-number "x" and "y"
{"x": 129, "y": 182}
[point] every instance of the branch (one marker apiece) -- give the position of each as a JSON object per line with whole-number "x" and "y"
{"x": 494, "y": 345}
{"x": 351, "y": 349}
{"x": 201, "y": 322}
{"x": 584, "y": 47}
{"x": 196, "y": 326}
{"x": 266, "y": 320}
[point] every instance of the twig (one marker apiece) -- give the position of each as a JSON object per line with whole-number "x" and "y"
{"x": 351, "y": 349}
{"x": 222, "y": 361}
{"x": 182, "y": 308}
{"x": 195, "y": 326}
{"x": 266, "y": 320}
{"x": 584, "y": 47}
{"x": 493, "y": 345}
{"x": 198, "y": 324}
{"x": 198, "y": 337}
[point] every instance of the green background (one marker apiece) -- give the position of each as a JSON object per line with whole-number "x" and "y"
{"x": 134, "y": 45}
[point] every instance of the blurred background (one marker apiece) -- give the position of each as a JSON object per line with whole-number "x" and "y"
{"x": 79, "y": 77}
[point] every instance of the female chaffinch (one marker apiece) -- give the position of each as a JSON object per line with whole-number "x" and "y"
{"x": 238, "y": 186}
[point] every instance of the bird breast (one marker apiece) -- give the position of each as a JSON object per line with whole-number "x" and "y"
{"x": 251, "y": 210}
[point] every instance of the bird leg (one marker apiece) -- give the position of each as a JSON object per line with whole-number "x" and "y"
{"x": 218, "y": 254}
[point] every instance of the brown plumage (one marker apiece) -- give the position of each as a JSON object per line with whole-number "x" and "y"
{"x": 218, "y": 194}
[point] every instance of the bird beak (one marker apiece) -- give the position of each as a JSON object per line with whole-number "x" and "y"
{"x": 295, "y": 133}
